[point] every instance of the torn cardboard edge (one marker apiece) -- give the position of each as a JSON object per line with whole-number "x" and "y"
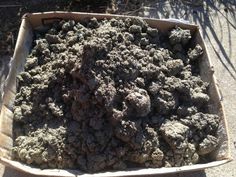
{"x": 128, "y": 172}
{"x": 22, "y": 49}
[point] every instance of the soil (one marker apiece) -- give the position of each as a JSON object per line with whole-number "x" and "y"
{"x": 112, "y": 94}
{"x": 11, "y": 12}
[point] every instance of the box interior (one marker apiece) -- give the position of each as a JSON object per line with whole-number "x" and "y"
{"x": 23, "y": 47}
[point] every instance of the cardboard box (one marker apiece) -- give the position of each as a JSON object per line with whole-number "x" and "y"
{"x": 22, "y": 49}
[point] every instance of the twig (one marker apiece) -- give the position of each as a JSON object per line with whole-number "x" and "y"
{"x": 3, "y": 6}
{"x": 131, "y": 12}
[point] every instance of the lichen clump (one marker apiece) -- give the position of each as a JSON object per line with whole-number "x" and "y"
{"x": 112, "y": 94}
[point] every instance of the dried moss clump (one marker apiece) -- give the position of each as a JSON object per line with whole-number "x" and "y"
{"x": 112, "y": 94}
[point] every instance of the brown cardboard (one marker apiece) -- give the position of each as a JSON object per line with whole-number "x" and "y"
{"x": 23, "y": 46}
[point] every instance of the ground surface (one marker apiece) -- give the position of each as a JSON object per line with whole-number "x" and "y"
{"x": 218, "y": 25}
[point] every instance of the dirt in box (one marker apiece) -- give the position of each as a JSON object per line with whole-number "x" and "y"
{"x": 112, "y": 94}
